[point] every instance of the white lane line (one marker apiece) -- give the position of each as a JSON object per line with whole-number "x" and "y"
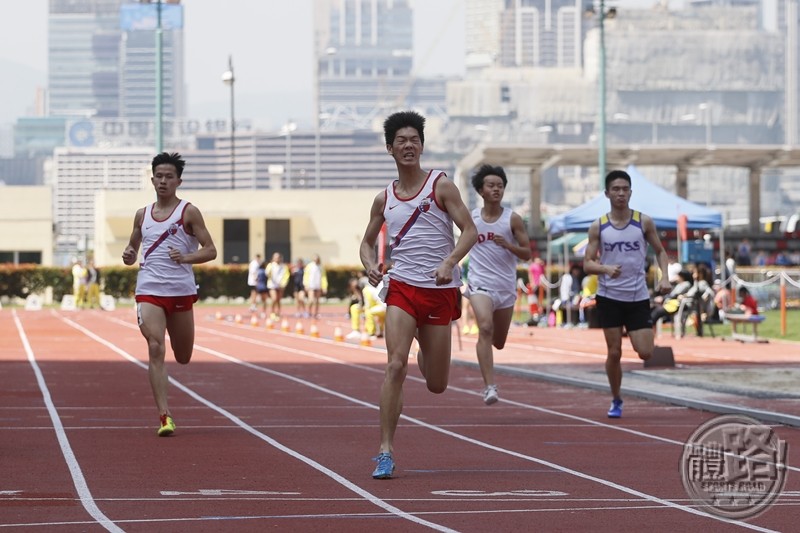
{"x": 78, "y": 480}
{"x": 576, "y": 473}
{"x": 269, "y": 440}
{"x": 314, "y": 355}
{"x": 465, "y": 438}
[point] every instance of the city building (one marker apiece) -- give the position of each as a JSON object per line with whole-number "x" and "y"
{"x": 79, "y": 175}
{"x": 101, "y": 59}
{"x": 364, "y": 64}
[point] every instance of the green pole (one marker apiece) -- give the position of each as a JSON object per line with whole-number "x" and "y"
{"x": 601, "y": 134}
{"x": 159, "y": 82}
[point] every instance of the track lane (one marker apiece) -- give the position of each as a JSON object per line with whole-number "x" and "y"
{"x": 356, "y": 435}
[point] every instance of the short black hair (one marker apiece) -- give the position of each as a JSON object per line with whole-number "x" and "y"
{"x": 403, "y": 119}
{"x": 488, "y": 170}
{"x": 616, "y": 175}
{"x": 173, "y": 159}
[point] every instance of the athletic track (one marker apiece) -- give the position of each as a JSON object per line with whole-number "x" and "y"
{"x": 276, "y": 431}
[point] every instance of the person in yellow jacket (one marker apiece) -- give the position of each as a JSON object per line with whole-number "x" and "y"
{"x": 277, "y": 279}
{"x": 315, "y": 281}
{"x": 374, "y": 310}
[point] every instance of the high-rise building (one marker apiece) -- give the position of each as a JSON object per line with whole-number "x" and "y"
{"x": 138, "y": 56}
{"x": 482, "y": 43}
{"x": 83, "y": 57}
{"x": 102, "y": 59}
{"x": 541, "y": 33}
{"x": 364, "y": 57}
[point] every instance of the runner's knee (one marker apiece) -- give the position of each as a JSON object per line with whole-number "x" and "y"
{"x": 396, "y": 371}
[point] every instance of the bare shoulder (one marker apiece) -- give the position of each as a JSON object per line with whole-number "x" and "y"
{"x": 445, "y": 184}
{"x": 648, "y": 223}
{"x": 379, "y": 201}
{"x": 138, "y": 217}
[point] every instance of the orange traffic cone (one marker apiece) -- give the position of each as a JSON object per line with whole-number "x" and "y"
{"x": 285, "y": 325}
{"x": 314, "y": 331}
{"x": 298, "y": 328}
{"x": 218, "y": 316}
{"x": 365, "y": 341}
{"x": 254, "y": 320}
{"x": 337, "y": 334}
{"x": 269, "y": 324}
{"x": 238, "y": 318}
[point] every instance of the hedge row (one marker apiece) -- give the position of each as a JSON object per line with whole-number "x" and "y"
{"x": 120, "y": 282}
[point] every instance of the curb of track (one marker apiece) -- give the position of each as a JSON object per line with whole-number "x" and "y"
{"x": 683, "y": 401}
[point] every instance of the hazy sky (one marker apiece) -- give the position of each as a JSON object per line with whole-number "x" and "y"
{"x": 270, "y": 41}
{"x": 271, "y": 45}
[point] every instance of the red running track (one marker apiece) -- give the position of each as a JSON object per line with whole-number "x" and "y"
{"x": 276, "y": 431}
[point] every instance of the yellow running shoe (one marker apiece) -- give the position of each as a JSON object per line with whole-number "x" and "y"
{"x": 473, "y": 330}
{"x": 167, "y": 426}
{"x": 465, "y": 330}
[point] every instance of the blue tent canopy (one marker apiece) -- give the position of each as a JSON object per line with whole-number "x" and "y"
{"x": 661, "y": 205}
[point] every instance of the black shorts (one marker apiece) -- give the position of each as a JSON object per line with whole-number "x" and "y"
{"x": 616, "y": 313}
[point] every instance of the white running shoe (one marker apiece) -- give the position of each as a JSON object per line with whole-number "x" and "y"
{"x": 490, "y": 395}
{"x": 353, "y": 335}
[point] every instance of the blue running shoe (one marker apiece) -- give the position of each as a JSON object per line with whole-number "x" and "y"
{"x": 385, "y": 467}
{"x": 615, "y": 411}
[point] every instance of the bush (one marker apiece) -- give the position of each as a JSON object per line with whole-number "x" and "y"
{"x": 120, "y": 281}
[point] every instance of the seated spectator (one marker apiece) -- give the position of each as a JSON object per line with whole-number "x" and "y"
{"x": 668, "y": 306}
{"x": 588, "y": 293}
{"x": 781, "y": 259}
{"x": 747, "y": 305}
{"x": 722, "y": 299}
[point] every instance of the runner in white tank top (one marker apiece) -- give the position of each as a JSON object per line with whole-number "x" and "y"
{"x": 159, "y": 275}
{"x": 169, "y": 232}
{"x": 419, "y": 210}
{"x": 420, "y": 233}
{"x": 616, "y": 253}
{"x": 496, "y": 270}
{"x": 502, "y": 242}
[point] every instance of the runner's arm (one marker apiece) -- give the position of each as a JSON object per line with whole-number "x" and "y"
{"x": 447, "y": 194}
{"x": 132, "y": 249}
{"x": 195, "y": 225}
{"x": 367, "y": 249}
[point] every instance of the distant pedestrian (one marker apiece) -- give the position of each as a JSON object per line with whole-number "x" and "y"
{"x": 277, "y": 279}
{"x": 298, "y": 288}
{"x": 315, "y": 281}
{"x": 252, "y": 279}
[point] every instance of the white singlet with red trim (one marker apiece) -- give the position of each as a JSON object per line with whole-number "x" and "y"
{"x": 492, "y": 267}
{"x": 158, "y": 274}
{"x": 420, "y": 235}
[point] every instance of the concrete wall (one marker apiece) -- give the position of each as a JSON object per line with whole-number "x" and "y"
{"x": 26, "y": 221}
{"x": 330, "y": 223}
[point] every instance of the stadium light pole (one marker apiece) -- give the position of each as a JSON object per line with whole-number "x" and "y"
{"x": 159, "y": 133}
{"x": 229, "y": 79}
{"x": 603, "y": 14}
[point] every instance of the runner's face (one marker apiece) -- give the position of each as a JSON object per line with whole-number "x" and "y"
{"x": 619, "y": 192}
{"x": 493, "y": 189}
{"x": 165, "y": 179}
{"x": 407, "y": 146}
